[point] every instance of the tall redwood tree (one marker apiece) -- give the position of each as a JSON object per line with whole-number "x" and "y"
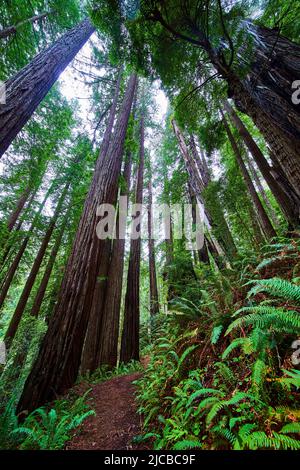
{"x": 58, "y": 362}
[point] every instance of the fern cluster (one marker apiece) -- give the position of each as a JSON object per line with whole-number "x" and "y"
{"x": 231, "y": 386}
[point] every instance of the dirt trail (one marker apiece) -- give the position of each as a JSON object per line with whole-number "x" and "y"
{"x": 116, "y": 421}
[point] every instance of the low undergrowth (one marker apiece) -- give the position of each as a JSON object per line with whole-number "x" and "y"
{"x": 223, "y": 373}
{"x": 44, "y": 428}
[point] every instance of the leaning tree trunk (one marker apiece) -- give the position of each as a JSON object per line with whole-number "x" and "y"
{"x": 16, "y": 261}
{"x": 12, "y": 238}
{"x": 131, "y": 326}
{"x": 154, "y": 301}
{"x": 26, "y": 90}
{"x": 57, "y": 365}
{"x": 288, "y": 201}
{"x": 17, "y": 316}
{"x": 261, "y": 190}
{"x": 200, "y": 162}
{"x": 202, "y": 253}
{"x": 39, "y": 297}
{"x": 263, "y": 216}
{"x": 6, "y": 32}
{"x": 226, "y": 238}
{"x": 18, "y": 209}
{"x": 91, "y": 343}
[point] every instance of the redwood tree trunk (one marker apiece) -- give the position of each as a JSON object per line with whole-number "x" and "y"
{"x": 265, "y": 94}
{"x": 26, "y": 90}
{"x": 6, "y": 32}
{"x": 261, "y": 190}
{"x": 131, "y": 326}
{"x": 288, "y": 202}
{"x": 91, "y": 343}
{"x": 19, "y": 207}
{"x": 197, "y": 184}
{"x": 9, "y": 243}
{"x": 16, "y": 261}
{"x": 154, "y": 301}
{"x": 108, "y": 342}
{"x": 263, "y": 216}
{"x": 57, "y": 365}
{"x": 38, "y": 300}
{"x": 17, "y": 316}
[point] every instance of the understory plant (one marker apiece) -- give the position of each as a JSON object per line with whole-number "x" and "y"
{"x": 43, "y": 429}
{"x": 221, "y": 374}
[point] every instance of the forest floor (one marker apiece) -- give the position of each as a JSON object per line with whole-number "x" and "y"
{"x": 116, "y": 421}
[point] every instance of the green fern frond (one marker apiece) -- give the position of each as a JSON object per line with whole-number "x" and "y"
{"x": 187, "y": 444}
{"x": 216, "y": 333}
{"x": 203, "y": 391}
{"x": 293, "y": 428}
{"x": 244, "y": 343}
{"x": 277, "y": 287}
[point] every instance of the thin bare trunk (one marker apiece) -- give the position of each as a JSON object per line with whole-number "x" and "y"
{"x": 20, "y": 308}
{"x": 6, "y": 32}
{"x": 261, "y": 190}
{"x": 154, "y": 300}
{"x": 198, "y": 187}
{"x": 262, "y": 215}
{"x": 18, "y": 209}
{"x": 16, "y": 261}
{"x": 38, "y": 300}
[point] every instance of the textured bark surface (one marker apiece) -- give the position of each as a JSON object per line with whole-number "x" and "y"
{"x": 261, "y": 190}
{"x": 131, "y": 326}
{"x": 26, "y": 90}
{"x": 288, "y": 201}
{"x": 16, "y": 261}
{"x": 18, "y": 209}
{"x": 154, "y": 300}
{"x": 9, "y": 243}
{"x": 265, "y": 94}
{"x": 17, "y": 316}
{"x": 108, "y": 343}
{"x": 198, "y": 187}
{"x": 38, "y": 300}
{"x": 91, "y": 343}
{"x": 200, "y": 162}
{"x": 275, "y": 64}
{"x": 6, "y": 32}
{"x": 57, "y": 365}
{"x": 263, "y": 218}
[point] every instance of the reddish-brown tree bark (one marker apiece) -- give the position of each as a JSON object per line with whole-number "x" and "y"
{"x": 154, "y": 300}
{"x": 18, "y": 209}
{"x": 263, "y": 218}
{"x": 130, "y": 335}
{"x": 15, "y": 321}
{"x": 39, "y": 297}
{"x": 16, "y": 261}
{"x": 288, "y": 201}
{"x": 91, "y": 343}
{"x": 57, "y": 365}
{"x": 261, "y": 190}
{"x": 108, "y": 342}
{"x": 26, "y": 90}
{"x": 198, "y": 187}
